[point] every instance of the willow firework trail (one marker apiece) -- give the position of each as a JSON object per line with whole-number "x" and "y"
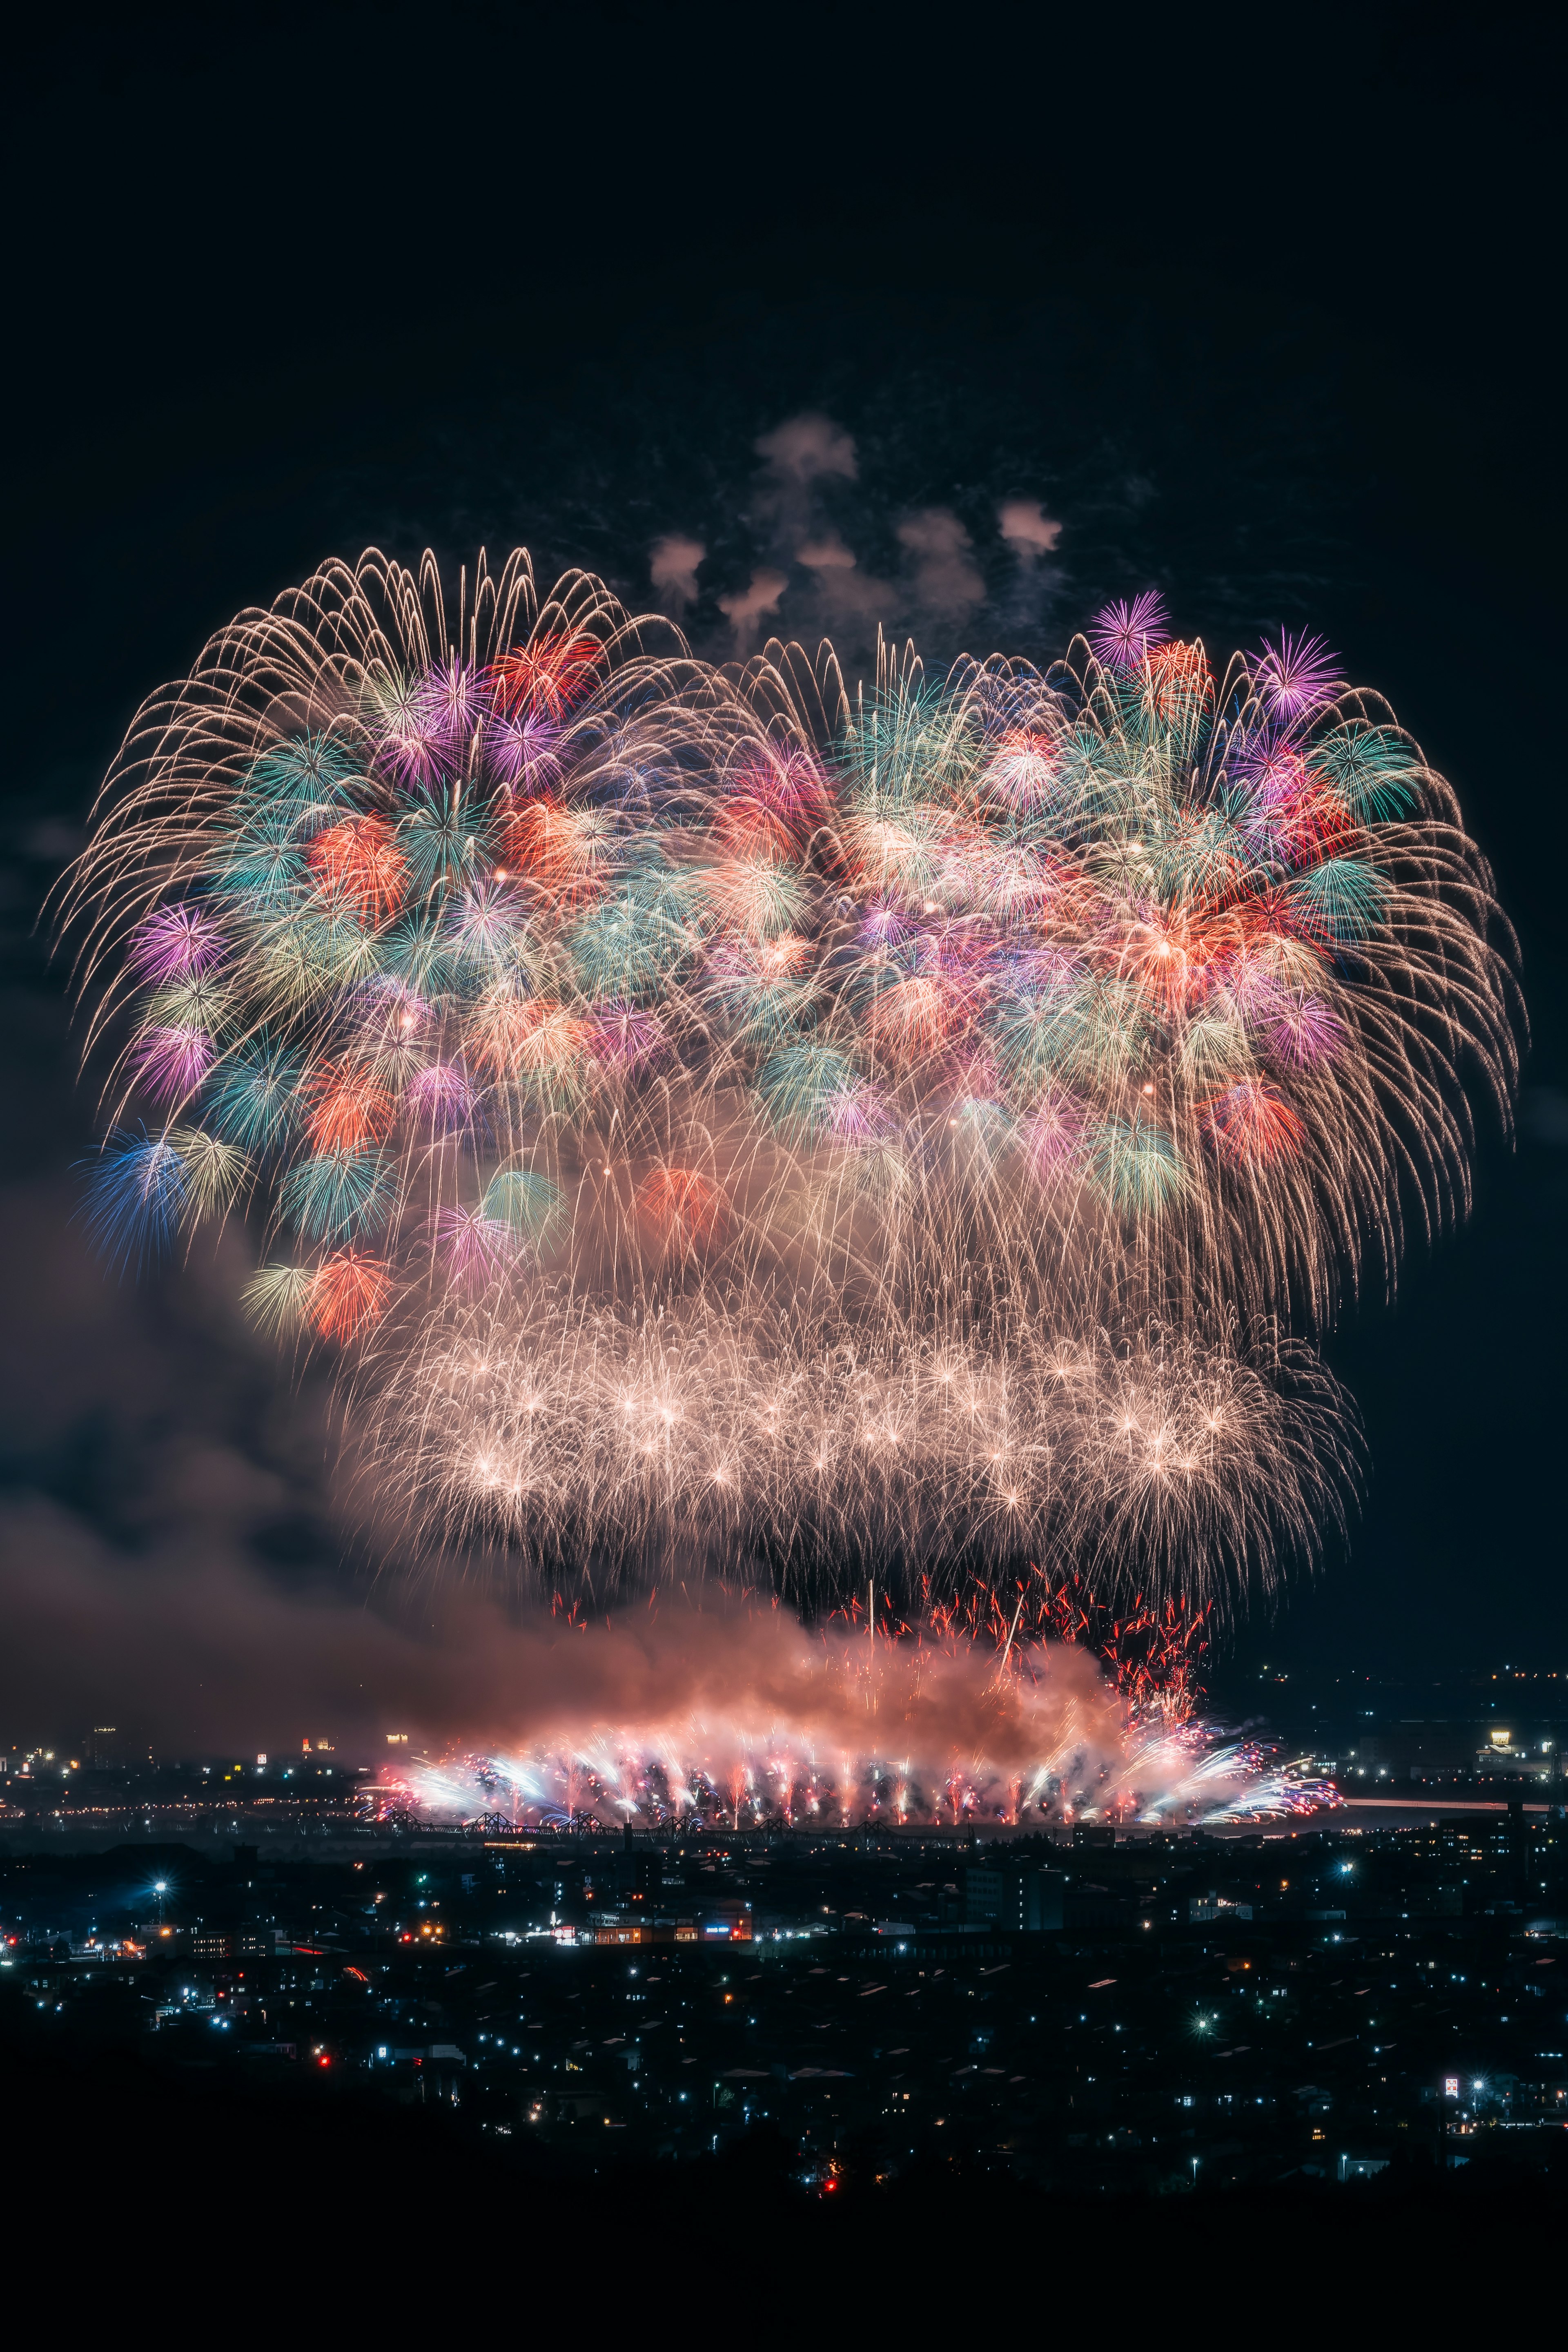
{"x": 724, "y": 1107}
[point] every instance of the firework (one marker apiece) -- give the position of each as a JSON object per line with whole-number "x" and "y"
{"x": 568, "y": 1431}
{"x": 888, "y": 1723}
{"x": 726, "y": 1110}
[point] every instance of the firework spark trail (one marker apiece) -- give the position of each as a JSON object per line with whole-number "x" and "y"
{"x": 718, "y": 1107}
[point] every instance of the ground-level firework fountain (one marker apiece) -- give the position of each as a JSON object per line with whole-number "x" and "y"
{"x": 864, "y": 1724}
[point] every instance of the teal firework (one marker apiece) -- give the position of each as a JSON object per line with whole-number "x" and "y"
{"x": 339, "y": 1196}
{"x": 1136, "y": 1166}
{"x": 1343, "y": 899}
{"x": 449, "y": 845}
{"x": 253, "y": 1096}
{"x": 804, "y": 1088}
{"x": 527, "y": 1203}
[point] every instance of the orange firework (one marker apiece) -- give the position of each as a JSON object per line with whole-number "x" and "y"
{"x": 358, "y": 862}
{"x": 524, "y": 1037}
{"x": 349, "y": 1109}
{"x": 684, "y": 1206}
{"x": 561, "y": 853}
{"x": 348, "y": 1293}
{"x": 1182, "y": 680}
{"x": 911, "y": 1019}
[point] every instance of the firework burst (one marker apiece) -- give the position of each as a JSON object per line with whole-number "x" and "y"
{"x": 726, "y": 1110}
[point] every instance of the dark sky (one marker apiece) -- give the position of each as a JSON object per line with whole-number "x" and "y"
{"x": 1262, "y": 309}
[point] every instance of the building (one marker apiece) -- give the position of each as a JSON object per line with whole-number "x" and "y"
{"x": 1013, "y": 1896}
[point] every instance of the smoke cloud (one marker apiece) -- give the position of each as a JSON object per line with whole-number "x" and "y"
{"x": 1028, "y": 529}
{"x": 844, "y": 593}
{"x": 673, "y": 568}
{"x": 193, "y": 1648}
{"x": 745, "y": 1701}
{"x": 947, "y": 581}
{"x": 746, "y": 611}
{"x": 806, "y": 448}
{"x": 814, "y": 517}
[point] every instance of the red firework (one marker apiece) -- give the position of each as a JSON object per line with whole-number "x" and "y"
{"x": 349, "y": 1109}
{"x": 1253, "y": 1123}
{"x": 546, "y": 677}
{"x": 358, "y": 862}
{"x": 684, "y": 1206}
{"x": 347, "y": 1293}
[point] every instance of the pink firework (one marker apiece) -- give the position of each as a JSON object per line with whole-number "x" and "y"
{"x": 787, "y": 784}
{"x": 625, "y": 1035}
{"x": 1252, "y": 987}
{"x": 1023, "y": 768}
{"x": 857, "y": 1114}
{"x": 884, "y": 926}
{"x": 473, "y": 1247}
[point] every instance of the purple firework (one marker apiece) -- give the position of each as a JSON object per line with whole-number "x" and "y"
{"x": 176, "y": 943}
{"x": 171, "y": 1063}
{"x": 624, "y": 1034}
{"x": 477, "y": 1248}
{"x": 1122, "y": 634}
{"x": 1305, "y": 1030}
{"x": 1298, "y": 675}
{"x": 451, "y": 703}
{"x": 1274, "y": 773}
{"x": 1054, "y": 969}
{"x": 410, "y": 748}
{"x": 440, "y": 1097}
{"x": 522, "y": 749}
{"x": 1055, "y": 1134}
{"x": 391, "y": 1001}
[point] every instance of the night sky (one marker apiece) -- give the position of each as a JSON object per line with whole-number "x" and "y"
{"x": 1268, "y": 317}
